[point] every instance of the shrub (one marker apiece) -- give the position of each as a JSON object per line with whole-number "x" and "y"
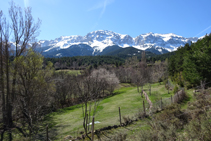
{"x": 175, "y": 89}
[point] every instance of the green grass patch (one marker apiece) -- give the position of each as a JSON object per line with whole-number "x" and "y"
{"x": 189, "y": 98}
{"x": 158, "y": 91}
{"x": 70, "y": 72}
{"x": 68, "y": 121}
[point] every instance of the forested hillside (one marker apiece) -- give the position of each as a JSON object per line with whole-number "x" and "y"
{"x": 116, "y": 59}
{"x": 129, "y": 52}
{"x": 82, "y": 62}
{"x": 191, "y": 63}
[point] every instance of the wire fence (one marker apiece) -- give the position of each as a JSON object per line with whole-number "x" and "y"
{"x": 162, "y": 103}
{"x": 177, "y": 97}
{"x": 145, "y": 108}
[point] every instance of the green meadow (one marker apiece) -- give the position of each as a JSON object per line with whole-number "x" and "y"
{"x": 69, "y": 121}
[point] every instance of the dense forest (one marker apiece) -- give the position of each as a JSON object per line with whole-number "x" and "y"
{"x": 191, "y": 63}
{"x": 83, "y": 62}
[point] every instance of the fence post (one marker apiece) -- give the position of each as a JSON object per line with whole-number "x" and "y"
{"x": 93, "y": 123}
{"x": 202, "y": 86}
{"x": 120, "y": 116}
{"x": 178, "y": 96}
{"x": 168, "y": 89}
{"x": 144, "y": 108}
{"x": 168, "y": 86}
{"x": 161, "y": 103}
{"x": 47, "y": 132}
{"x": 149, "y": 89}
{"x": 171, "y": 99}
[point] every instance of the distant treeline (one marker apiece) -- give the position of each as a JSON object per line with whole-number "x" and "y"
{"x": 94, "y": 61}
{"x": 82, "y": 62}
{"x": 85, "y": 61}
{"x": 161, "y": 57}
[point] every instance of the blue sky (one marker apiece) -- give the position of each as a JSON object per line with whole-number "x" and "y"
{"x": 188, "y": 18}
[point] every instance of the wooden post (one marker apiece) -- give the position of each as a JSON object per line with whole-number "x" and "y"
{"x": 144, "y": 108}
{"x": 168, "y": 86}
{"x": 120, "y": 116}
{"x": 47, "y": 132}
{"x": 178, "y": 96}
{"x": 168, "y": 89}
{"x": 93, "y": 123}
{"x": 149, "y": 89}
{"x": 171, "y": 99}
{"x": 161, "y": 103}
{"x": 141, "y": 93}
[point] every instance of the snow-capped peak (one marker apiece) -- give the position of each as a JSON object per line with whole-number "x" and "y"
{"x": 101, "y": 39}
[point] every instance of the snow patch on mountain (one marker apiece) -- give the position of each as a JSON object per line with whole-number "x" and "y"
{"x": 101, "y": 39}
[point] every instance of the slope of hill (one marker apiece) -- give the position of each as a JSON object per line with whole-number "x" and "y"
{"x": 129, "y": 52}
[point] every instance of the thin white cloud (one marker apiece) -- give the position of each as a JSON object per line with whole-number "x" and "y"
{"x": 26, "y": 3}
{"x": 202, "y": 31}
{"x": 101, "y": 5}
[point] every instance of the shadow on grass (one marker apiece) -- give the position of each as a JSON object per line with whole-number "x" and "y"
{"x": 52, "y": 133}
{"x": 67, "y": 109}
{"x": 52, "y": 124}
{"x": 186, "y": 100}
{"x": 117, "y": 92}
{"x": 166, "y": 95}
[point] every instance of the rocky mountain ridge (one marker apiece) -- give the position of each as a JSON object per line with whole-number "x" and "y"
{"x": 100, "y": 39}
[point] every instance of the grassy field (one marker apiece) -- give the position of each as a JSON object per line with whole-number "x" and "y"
{"x": 132, "y": 131}
{"x": 158, "y": 91}
{"x": 71, "y": 72}
{"x": 68, "y": 121}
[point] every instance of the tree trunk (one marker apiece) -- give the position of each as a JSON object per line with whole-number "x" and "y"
{"x": 142, "y": 91}
{"x": 8, "y": 97}
{"x": 2, "y": 79}
{"x": 138, "y": 88}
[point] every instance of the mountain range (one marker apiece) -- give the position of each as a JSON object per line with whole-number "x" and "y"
{"x": 103, "y": 42}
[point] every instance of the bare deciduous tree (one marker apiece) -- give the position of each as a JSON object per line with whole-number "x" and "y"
{"x": 64, "y": 89}
{"x": 137, "y": 78}
{"x": 24, "y": 31}
{"x": 159, "y": 71}
{"x": 90, "y": 89}
{"x": 109, "y": 78}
